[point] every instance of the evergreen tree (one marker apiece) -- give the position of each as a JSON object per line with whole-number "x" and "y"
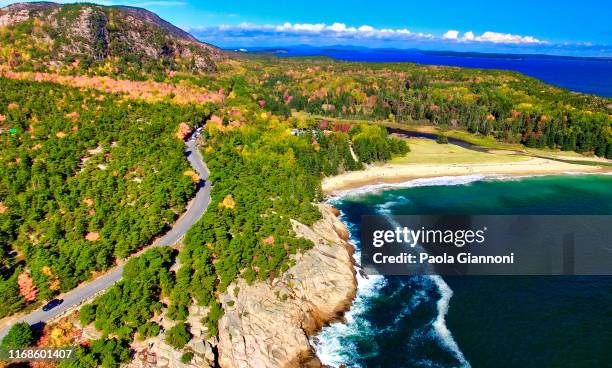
{"x": 20, "y": 335}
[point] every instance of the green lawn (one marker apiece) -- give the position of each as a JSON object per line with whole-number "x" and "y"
{"x": 455, "y": 154}
{"x": 426, "y": 151}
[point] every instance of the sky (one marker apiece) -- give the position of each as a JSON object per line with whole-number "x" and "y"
{"x": 580, "y": 28}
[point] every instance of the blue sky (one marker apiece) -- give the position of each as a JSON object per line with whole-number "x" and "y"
{"x": 534, "y": 26}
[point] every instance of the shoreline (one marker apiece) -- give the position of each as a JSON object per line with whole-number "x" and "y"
{"x": 271, "y": 323}
{"x": 390, "y": 174}
{"x": 396, "y": 175}
{"x": 390, "y": 182}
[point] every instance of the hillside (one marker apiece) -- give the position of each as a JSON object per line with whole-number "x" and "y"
{"x": 101, "y": 40}
{"x": 81, "y": 185}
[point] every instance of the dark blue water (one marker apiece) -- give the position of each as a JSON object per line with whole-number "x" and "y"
{"x": 587, "y": 75}
{"x": 520, "y": 322}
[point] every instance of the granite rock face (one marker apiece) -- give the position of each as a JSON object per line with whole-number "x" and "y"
{"x": 154, "y": 352}
{"x": 268, "y": 324}
{"x": 87, "y": 33}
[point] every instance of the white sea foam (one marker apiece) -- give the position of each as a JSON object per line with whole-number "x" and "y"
{"x": 442, "y": 332}
{"x": 578, "y": 173}
{"x": 442, "y": 180}
{"x": 395, "y": 200}
{"x": 331, "y": 344}
{"x": 422, "y": 182}
{"x": 419, "y": 297}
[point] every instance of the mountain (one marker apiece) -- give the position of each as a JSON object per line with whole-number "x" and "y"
{"x": 45, "y": 36}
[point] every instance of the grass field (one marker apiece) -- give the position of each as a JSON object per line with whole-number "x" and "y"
{"x": 482, "y": 141}
{"x": 499, "y": 151}
{"x": 424, "y": 151}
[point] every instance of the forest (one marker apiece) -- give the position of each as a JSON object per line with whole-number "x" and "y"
{"x": 93, "y": 171}
{"x": 507, "y": 105}
{"x": 86, "y": 178}
{"x": 127, "y": 308}
{"x": 265, "y": 174}
{"x": 266, "y": 171}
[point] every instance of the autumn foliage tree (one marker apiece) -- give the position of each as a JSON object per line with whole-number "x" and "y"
{"x": 27, "y": 289}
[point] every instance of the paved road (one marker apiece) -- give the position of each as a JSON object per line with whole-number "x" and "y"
{"x": 191, "y": 216}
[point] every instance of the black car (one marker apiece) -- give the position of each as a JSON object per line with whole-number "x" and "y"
{"x": 52, "y": 304}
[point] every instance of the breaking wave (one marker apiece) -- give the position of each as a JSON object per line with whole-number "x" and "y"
{"x": 423, "y": 182}
{"x": 338, "y": 343}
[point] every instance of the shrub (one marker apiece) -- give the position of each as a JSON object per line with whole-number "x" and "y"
{"x": 87, "y": 314}
{"x": 149, "y": 329}
{"x": 128, "y": 306}
{"x": 104, "y": 352}
{"x": 213, "y": 317}
{"x": 178, "y": 336}
{"x": 186, "y": 358}
{"x": 442, "y": 139}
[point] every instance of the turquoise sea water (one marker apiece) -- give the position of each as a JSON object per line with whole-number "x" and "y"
{"x": 476, "y": 321}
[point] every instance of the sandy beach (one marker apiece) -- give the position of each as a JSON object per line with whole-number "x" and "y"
{"x": 395, "y": 173}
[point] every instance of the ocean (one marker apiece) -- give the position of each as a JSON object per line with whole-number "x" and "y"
{"x": 587, "y": 75}
{"x": 433, "y": 321}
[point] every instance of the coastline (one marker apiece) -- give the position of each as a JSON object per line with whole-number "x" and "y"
{"x": 366, "y": 286}
{"x": 385, "y": 176}
{"x": 270, "y": 323}
{"x": 398, "y": 173}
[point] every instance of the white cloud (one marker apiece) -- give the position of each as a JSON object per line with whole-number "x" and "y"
{"x": 492, "y": 37}
{"x": 309, "y": 27}
{"x": 341, "y": 32}
{"x": 451, "y": 34}
{"x": 334, "y": 30}
{"x": 337, "y": 27}
{"x": 495, "y": 37}
{"x": 368, "y": 29}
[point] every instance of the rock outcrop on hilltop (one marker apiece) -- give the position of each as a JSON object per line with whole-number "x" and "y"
{"x": 268, "y": 324}
{"x": 85, "y": 36}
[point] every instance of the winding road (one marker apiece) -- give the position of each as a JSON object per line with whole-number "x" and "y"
{"x": 87, "y": 290}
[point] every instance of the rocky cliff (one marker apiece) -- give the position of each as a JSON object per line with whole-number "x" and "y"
{"x": 268, "y": 324}
{"x": 45, "y": 36}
